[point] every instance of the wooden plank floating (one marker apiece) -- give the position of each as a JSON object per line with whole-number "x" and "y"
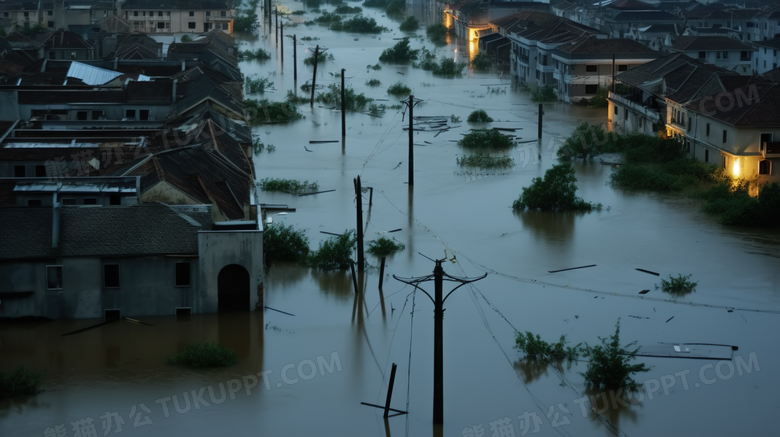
{"x": 644, "y": 291}
{"x": 322, "y": 141}
{"x": 278, "y": 311}
{"x": 702, "y": 351}
{"x": 648, "y": 271}
{"x": 316, "y": 192}
{"x": 395, "y": 230}
{"x": 571, "y": 268}
{"x": 331, "y": 233}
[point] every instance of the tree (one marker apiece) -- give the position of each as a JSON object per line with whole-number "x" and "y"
{"x": 556, "y": 192}
{"x": 609, "y": 366}
{"x": 335, "y": 253}
{"x": 399, "y": 53}
{"x": 186, "y": 38}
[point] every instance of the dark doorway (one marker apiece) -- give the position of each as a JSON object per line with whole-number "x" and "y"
{"x": 233, "y": 289}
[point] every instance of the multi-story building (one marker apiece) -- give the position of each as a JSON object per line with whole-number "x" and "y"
{"x": 178, "y": 16}
{"x": 721, "y": 51}
{"x": 767, "y": 57}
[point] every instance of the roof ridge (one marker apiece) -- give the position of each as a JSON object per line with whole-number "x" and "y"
{"x": 752, "y": 106}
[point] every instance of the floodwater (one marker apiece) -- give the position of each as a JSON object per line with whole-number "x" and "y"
{"x": 307, "y": 373}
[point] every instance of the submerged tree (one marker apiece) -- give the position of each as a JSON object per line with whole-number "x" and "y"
{"x": 556, "y": 192}
{"x": 610, "y": 364}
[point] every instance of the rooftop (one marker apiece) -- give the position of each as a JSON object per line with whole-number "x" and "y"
{"x": 703, "y": 43}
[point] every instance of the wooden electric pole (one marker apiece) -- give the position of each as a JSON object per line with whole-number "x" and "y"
{"x": 343, "y": 107}
{"x": 314, "y": 76}
{"x": 281, "y": 44}
{"x": 359, "y": 203}
{"x": 541, "y": 114}
{"x": 295, "y": 61}
{"x": 438, "y": 315}
{"x": 277, "y": 26}
{"x": 410, "y": 104}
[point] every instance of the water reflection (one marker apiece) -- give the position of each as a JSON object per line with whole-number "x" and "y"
{"x": 336, "y": 284}
{"x": 615, "y": 405}
{"x": 531, "y": 370}
{"x": 552, "y": 227}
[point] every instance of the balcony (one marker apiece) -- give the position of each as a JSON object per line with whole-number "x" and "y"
{"x": 545, "y": 68}
{"x": 636, "y": 107}
{"x": 218, "y": 18}
{"x": 771, "y": 149}
{"x": 523, "y": 60}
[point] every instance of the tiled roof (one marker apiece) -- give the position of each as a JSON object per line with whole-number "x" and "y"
{"x": 703, "y": 43}
{"x": 137, "y": 230}
{"x": 772, "y": 43}
{"x": 674, "y": 69}
{"x": 203, "y": 83}
{"x": 591, "y": 45}
{"x": 759, "y": 107}
{"x": 646, "y": 17}
{"x": 63, "y": 39}
{"x": 630, "y": 5}
{"x": 559, "y": 30}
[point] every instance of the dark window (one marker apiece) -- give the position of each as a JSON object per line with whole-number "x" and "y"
{"x": 159, "y": 13}
{"x": 111, "y": 275}
{"x": 192, "y": 13}
{"x": 689, "y": 124}
{"x": 191, "y": 25}
{"x": 623, "y": 67}
{"x": 90, "y": 201}
{"x": 115, "y": 200}
{"x": 130, "y": 113}
{"x": 26, "y": 14}
{"x": 762, "y": 140}
{"x": 68, "y": 201}
{"x": 702, "y": 55}
{"x": 34, "y": 202}
{"x": 591, "y": 89}
{"x": 81, "y": 115}
{"x": 143, "y": 114}
{"x": 97, "y": 115}
{"x": 706, "y": 155}
{"x": 765, "y": 167}
{"x": 183, "y": 275}
{"x": 40, "y": 171}
{"x": 625, "y": 115}
{"x": 52, "y": 55}
{"x": 51, "y": 24}
{"x": 135, "y": 14}
{"x": 708, "y": 129}
{"x": 50, "y": 13}
{"x": 616, "y": 110}
{"x": 725, "y": 135}
{"x": 591, "y": 68}
{"x": 208, "y": 13}
{"x": 54, "y": 277}
{"x": 161, "y": 25}
{"x": 223, "y": 13}
{"x": 20, "y": 171}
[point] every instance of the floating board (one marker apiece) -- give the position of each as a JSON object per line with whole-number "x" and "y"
{"x": 702, "y": 351}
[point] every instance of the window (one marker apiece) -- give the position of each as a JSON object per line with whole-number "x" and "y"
{"x": 135, "y": 13}
{"x": 90, "y": 201}
{"x": 623, "y": 67}
{"x": 50, "y": 13}
{"x": 40, "y": 171}
{"x": 217, "y": 25}
{"x": 130, "y": 113}
{"x": 725, "y": 135}
{"x": 706, "y": 155}
{"x": 68, "y": 201}
{"x": 702, "y": 55}
{"x": 151, "y": 13}
{"x": 50, "y": 24}
{"x": 159, "y": 13}
{"x": 26, "y": 14}
{"x": 81, "y": 115}
{"x": 616, "y": 110}
{"x": 192, "y": 13}
{"x": 161, "y": 25}
{"x": 591, "y": 68}
{"x": 223, "y": 13}
{"x": 143, "y": 114}
{"x": 708, "y": 129}
{"x": 5, "y": 14}
{"x": 591, "y": 89}
{"x": 641, "y": 120}
{"x": 191, "y": 25}
{"x": 98, "y": 115}
{"x": 625, "y": 115}
{"x": 54, "y": 277}
{"x": 208, "y": 13}
{"x": 115, "y": 200}
{"x": 52, "y": 55}
{"x": 34, "y": 202}
{"x": 110, "y": 275}
{"x": 20, "y": 171}
{"x": 765, "y": 167}
{"x": 183, "y": 274}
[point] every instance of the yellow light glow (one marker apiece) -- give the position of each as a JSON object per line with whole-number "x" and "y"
{"x": 735, "y": 167}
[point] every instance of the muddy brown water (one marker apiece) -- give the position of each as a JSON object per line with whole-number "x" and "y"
{"x": 307, "y": 373}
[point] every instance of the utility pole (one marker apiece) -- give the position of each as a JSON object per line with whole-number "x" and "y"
{"x": 281, "y": 44}
{"x": 343, "y": 107}
{"x": 613, "y": 72}
{"x": 410, "y": 104}
{"x": 359, "y": 204}
{"x": 295, "y": 61}
{"x": 438, "y": 313}
{"x": 277, "y": 26}
{"x": 314, "y": 76}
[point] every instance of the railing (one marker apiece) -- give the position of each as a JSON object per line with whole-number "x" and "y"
{"x": 635, "y": 107}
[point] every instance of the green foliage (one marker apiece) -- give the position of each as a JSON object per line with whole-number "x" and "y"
{"x": 19, "y": 381}
{"x": 556, "y": 192}
{"x": 536, "y": 348}
{"x": 375, "y": 67}
{"x": 256, "y": 55}
{"x": 383, "y": 247}
{"x": 346, "y": 9}
{"x": 290, "y": 186}
{"x": 486, "y": 140}
{"x": 257, "y": 84}
{"x": 485, "y": 161}
{"x": 294, "y": 99}
{"x": 610, "y": 364}
{"x": 358, "y": 24}
{"x": 395, "y": 7}
{"x": 28, "y": 30}
{"x": 479, "y": 116}
{"x": 322, "y": 58}
{"x": 600, "y": 99}
{"x": 400, "y": 53}
{"x": 587, "y": 141}
{"x": 437, "y": 33}
{"x": 399, "y": 90}
{"x": 186, "y": 38}
{"x": 284, "y": 243}
{"x": 299, "y": 12}
{"x": 258, "y": 146}
{"x": 732, "y": 200}
{"x": 679, "y": 286}
{"x": 454, "y": 119}
{"x": 200, "y": 355}
{"x": 335, "y": 253}
{"x": 353, "y": 101}
{"x": 327, "y": 18}
{"x": 373, "y": 83}
{"x": 377, "y": 3}
{"x": 266, "y": 112}
{"x": 310, "y": 38}
{"x": 410, "y": 24}
{"x": 481, "y": 62}
{"x": 246, "y": 18}
{"x": 447, "y": 67}
{"x": 543, "y": 94}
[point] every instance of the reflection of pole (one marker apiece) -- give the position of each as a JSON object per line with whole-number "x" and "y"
{"x": 277, "y": 27}
{"x": 381, "y": 272}
{"x": 390, "y": 390}
{"x": 343, "y": 107}
{"x": 613, "y": 72}
{"x": 359, "y": 204}
{"x": 314, "y": 76}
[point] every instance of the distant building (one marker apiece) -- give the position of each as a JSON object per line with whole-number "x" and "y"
{"x": 767, "y": 57}
{"x": 178, "y": 16}
{"x": 720, "y": 51}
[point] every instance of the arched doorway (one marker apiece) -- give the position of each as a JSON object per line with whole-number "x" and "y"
{"x": 233, "y": 289}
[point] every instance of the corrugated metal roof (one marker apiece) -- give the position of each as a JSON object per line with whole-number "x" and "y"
{"x": 77, "y": 187}
{"x": 91, "y": 75}
{"x": 49, "y": 145}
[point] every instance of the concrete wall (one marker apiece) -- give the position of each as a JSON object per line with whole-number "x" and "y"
{"x": 219, "y": 249}
{"x": 147, "y": 287}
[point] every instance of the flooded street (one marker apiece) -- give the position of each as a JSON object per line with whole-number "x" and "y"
{"x": 307, "y": 372}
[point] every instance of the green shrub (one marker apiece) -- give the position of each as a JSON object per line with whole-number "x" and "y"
{"x": 258, "y": 146}
{"x": 485, "y": 140}
{"x": 256, "y": 55}
{"x": 732, "y": 201}
{"x": 454, "y": 119}
{"x": 346, "y": 9}
{"x": 19, "y": 381}
{"x": 328, "y": 18}
{"x": 679, "y": 286}
{"x": 600, "y": 99}
{"x": 200, "y": 355}
{"x": 438, "y": 33}
{"x": 479, "y": 116}
{"x": 353, "y": 101}
{"x": 284, "y": 243}
{"x": 556, "y": 192}
{"x": 376, "y": 3}
{"x": 290, "y": 186}
{"x": 257, "y": 85}
{"x": 184, "y": 38}
{"x": 399, "y": 90}
{"x": 322, "y": 58}
{"x": 485, "y": 161}
{"x": 358, "y": 24}
{"x": 481, "y": 62}
{"x": 536, "y": 348}
{"x": 373, "y": 83}
{"x": 246, "y": 18}
{"x": 400, "y": 53}
{"x": 446, "y": 67}
{"x": 395, "y": 7}
{"x": 543, "y": 94}
{"x": 294, "y": 99}
{"x": 383, "y": 247}
{"x": 267, "y": 112}
{"x": 609, "y": 366}
{"x": 410, "y": 24}
{"x": 374, "y": 67}
{"x": 335, "y": 253}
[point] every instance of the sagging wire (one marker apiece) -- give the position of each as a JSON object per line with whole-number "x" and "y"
{"x": 409, "y": 365}
{"x": 395, "y": 329}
